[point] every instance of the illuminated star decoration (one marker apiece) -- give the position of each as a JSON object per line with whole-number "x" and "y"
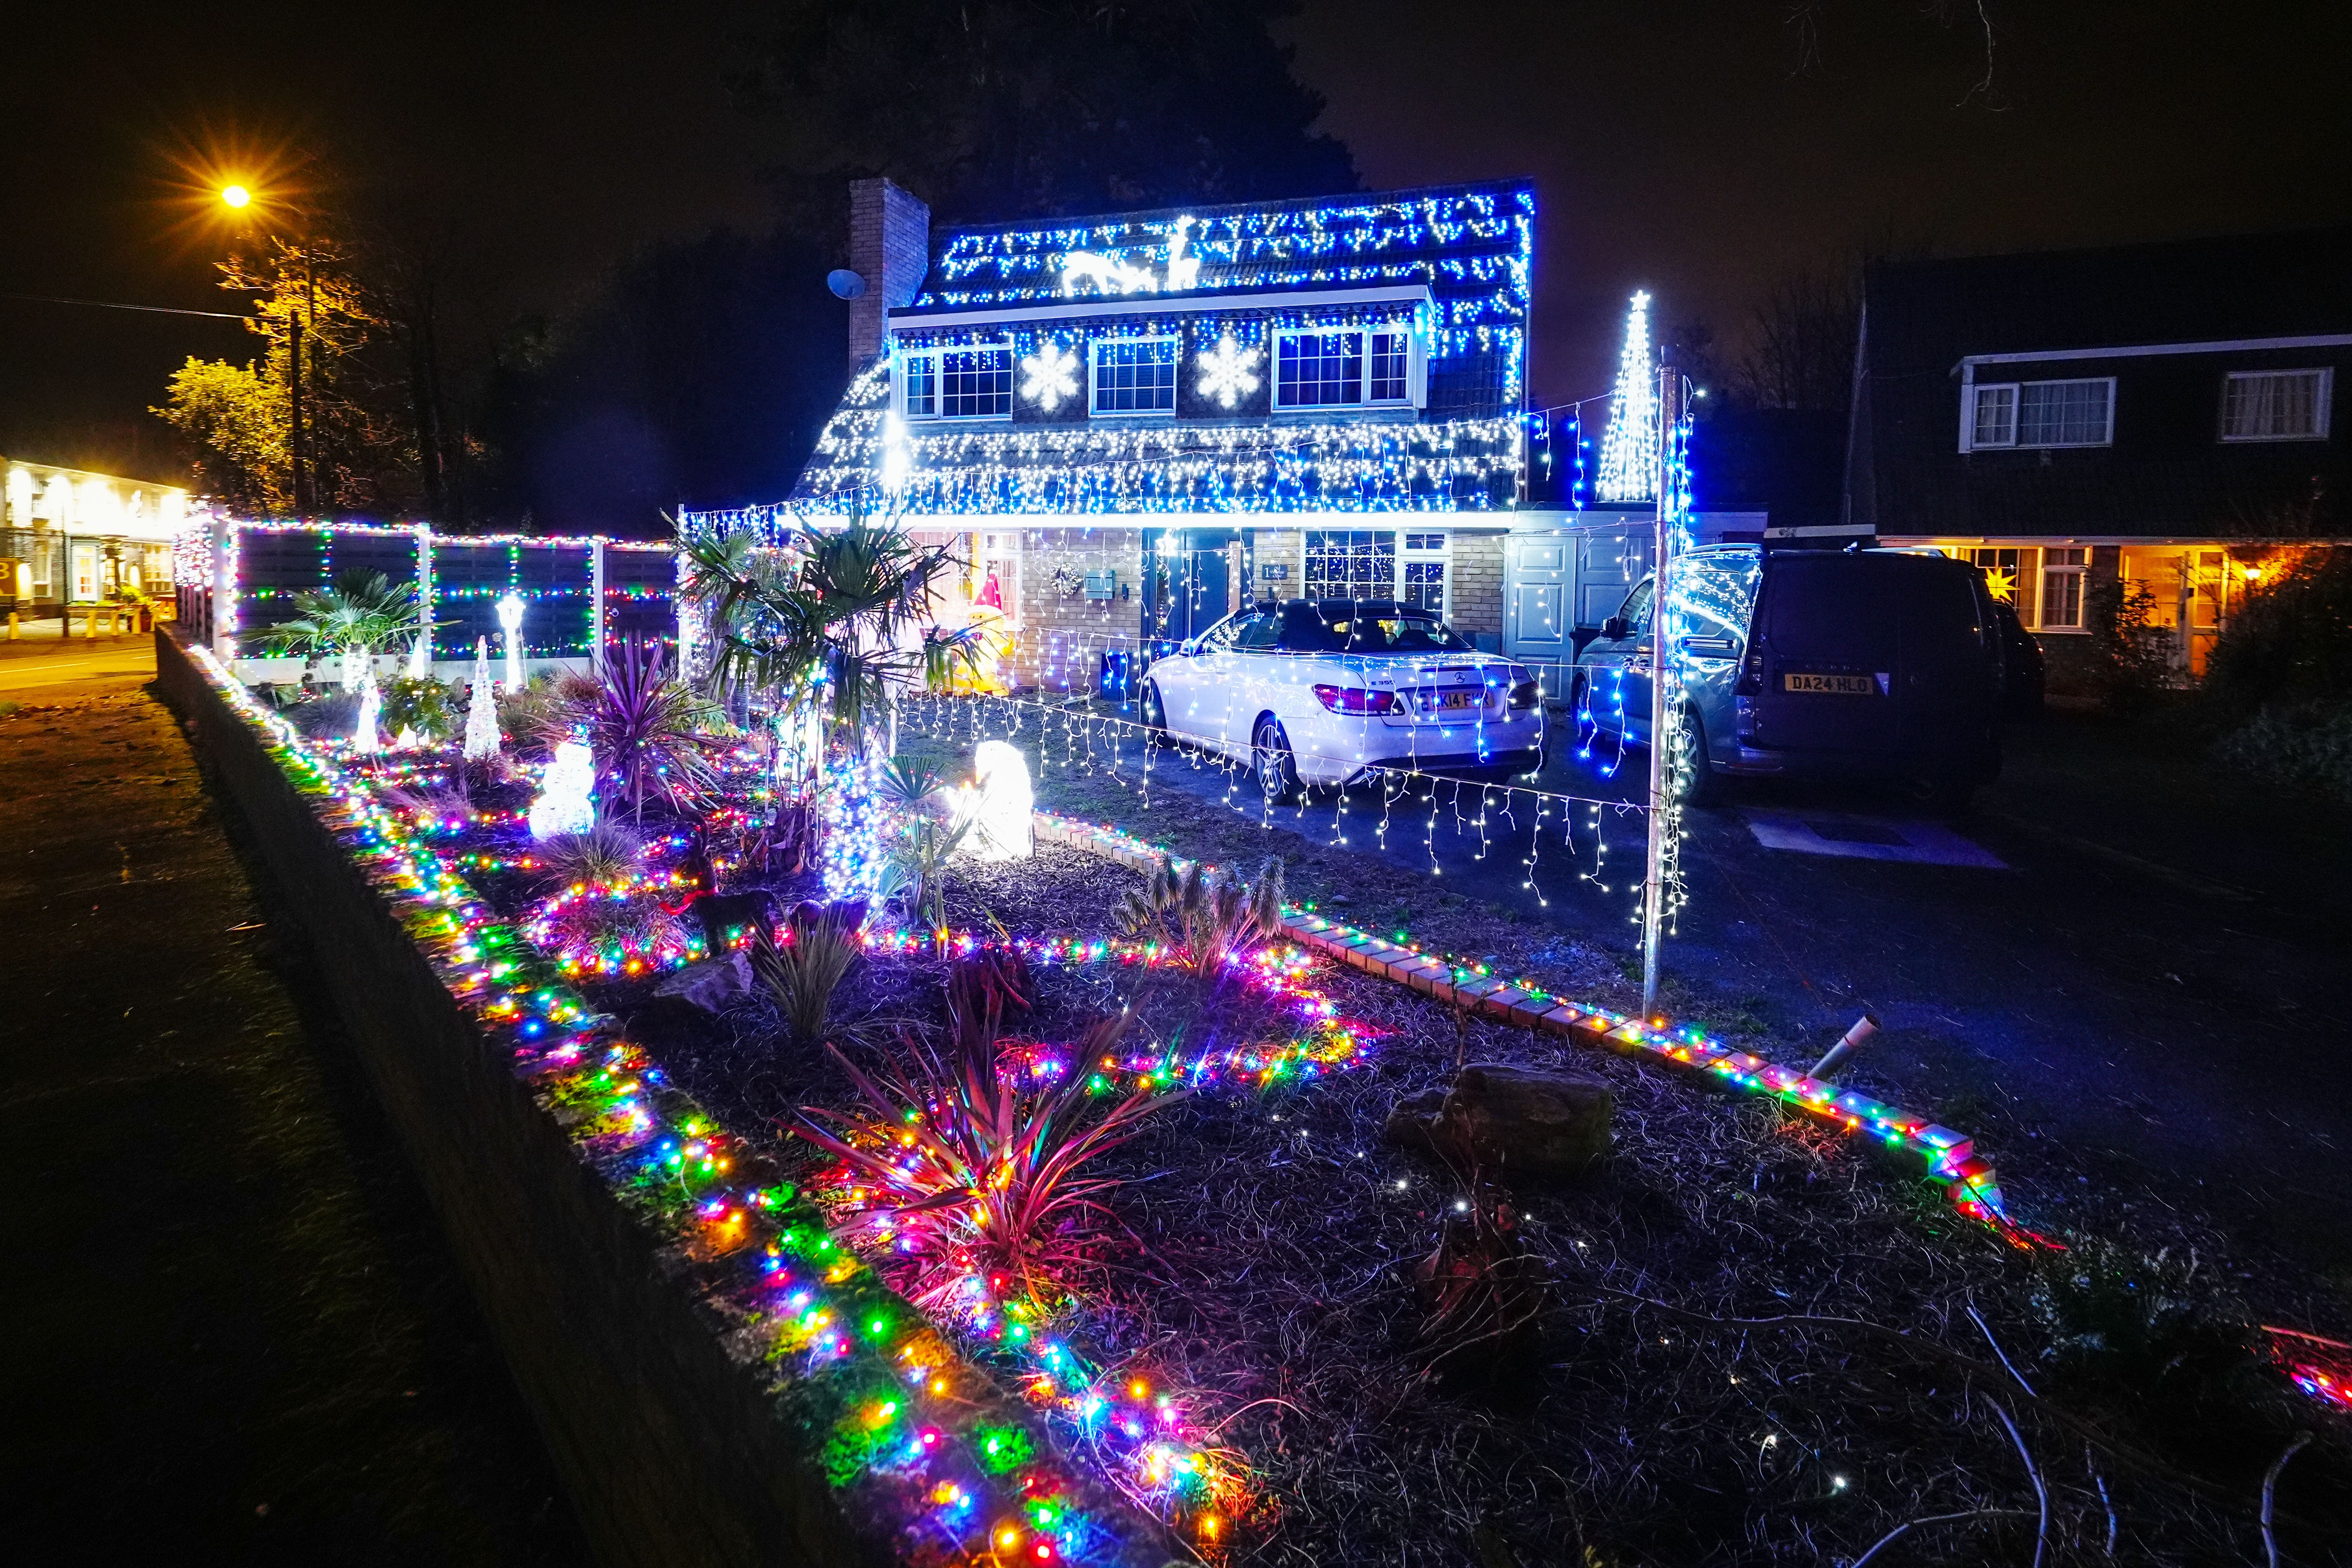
{"x": 1228, "y": 372}
{"x": 1053, "y": 373}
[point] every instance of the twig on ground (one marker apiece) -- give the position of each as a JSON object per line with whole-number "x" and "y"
{"x": 2270, "y": 1488}
{"x": 1908, "y": 1525}
{"x": 1995, "y": 1343}
{"x": 2042, "y": 1531}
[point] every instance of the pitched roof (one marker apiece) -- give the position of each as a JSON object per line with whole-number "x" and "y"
{"x": 1206, "y": 271}
{"x": 2165, "y": 473}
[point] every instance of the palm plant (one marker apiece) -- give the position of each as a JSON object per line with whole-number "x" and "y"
{"x": 921, "y": 854}
{"x": 832, "y": 625}
{"x": 806, "y": 961}
{"x": 1208, "y": 916}
{"x": 970, "y": 1172}
{"x": 360, "y": 612}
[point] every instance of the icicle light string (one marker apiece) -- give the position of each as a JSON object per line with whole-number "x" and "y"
{"x": 963, "y": 718}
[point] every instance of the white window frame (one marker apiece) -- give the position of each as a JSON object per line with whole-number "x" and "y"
{"x": 1441, "y": 556}
{"x": 938, "y": 384}
{"x": 1416, "y": 370}
{"x": 2080, "y": 570}
{"x": 2003, "y": 394}
{"x": 1094, "y": 377}
{"x": 1972, "y": 391}
{"x": 2322, "y": 407}
{"x": 1396, "y": 557}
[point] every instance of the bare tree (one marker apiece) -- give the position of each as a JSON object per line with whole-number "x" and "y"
{"x": 1801, "y": 341}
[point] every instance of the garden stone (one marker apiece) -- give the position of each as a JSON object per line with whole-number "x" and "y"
{"x": 1511, "y": 1120}
{"x": 711, "y": 985}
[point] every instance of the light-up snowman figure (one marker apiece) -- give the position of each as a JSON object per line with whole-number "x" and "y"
{"x": 997, "y": 803}
{"x": 562, "y": 804}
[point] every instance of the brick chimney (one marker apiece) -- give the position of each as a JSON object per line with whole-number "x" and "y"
{"x": 890, "y": 248}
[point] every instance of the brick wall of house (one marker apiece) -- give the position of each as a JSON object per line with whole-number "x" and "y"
{"x": 1063, "y": 633}
{"x": 2070, "y": 661}
{"x": 1284, "y": 547}
{"x": 1473, "y": 583}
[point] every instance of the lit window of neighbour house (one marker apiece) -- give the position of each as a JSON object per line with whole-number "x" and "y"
{"x": 2063, "y": 573}
{"x": 2276, "y": 405}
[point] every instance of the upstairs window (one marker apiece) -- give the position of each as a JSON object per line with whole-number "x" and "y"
{"x": 1135, "y": 375}
{"x": 2276, "y": 405}
{"x": 1342, "y": 369}
{"x": 956, "y": 384}
{"x": 1996, "y": 416}
{"x": 2043, "y": 414}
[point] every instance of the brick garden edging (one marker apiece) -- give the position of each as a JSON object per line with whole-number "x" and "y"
{"x": 1941, "y": 1154}
{"x": 680, "y": 1400}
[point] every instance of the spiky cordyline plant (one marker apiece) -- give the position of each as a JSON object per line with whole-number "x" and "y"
{"x": 839, "y": 619}
{"x": 808, "y": 959}
{"x": 976, "y": 1179}
{"x": 1210, "y": 916}
{"x": 642, "y": 726}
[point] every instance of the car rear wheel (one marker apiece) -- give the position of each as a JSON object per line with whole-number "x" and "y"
{"x": 1694, "y": 782}
{"x": 1155, "y": 717}
{"x": 1277, "y": 769}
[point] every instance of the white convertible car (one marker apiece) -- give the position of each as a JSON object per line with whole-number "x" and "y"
{"x": 1323, "y": 692}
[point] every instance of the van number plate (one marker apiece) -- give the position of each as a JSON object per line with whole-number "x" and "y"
{"x": 1841, "y": 685}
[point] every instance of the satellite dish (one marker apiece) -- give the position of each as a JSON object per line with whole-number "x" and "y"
{"x": 845, "y": 283}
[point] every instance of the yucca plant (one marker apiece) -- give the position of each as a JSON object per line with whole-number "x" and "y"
{"x": 806, "y": 961}
{"x": 906, "y": 783}
{"x": 921, "y": 854}
{"x": 971, "y": 1173}
{"x": 1208, "y": 916}
{"x": 606, "y": 855}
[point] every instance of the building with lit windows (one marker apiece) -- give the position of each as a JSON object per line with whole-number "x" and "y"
{"x": 2159, "y": 415}
{"x": 1133, "y": 425}
{"x": 69, "y": 539}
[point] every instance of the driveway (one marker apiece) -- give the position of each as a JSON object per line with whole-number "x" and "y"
{"x": 2124, "y": 970}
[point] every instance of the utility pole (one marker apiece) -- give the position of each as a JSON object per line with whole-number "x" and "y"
{"x": 1662, "y": 718}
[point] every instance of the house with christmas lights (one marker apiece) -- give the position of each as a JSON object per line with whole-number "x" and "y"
{"x": 2151, "y": 415}
{"x": 1131, "y": 425}
{"x": 71, "y": 540}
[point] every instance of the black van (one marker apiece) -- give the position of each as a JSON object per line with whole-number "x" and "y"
{"x": 1855, "y": 664}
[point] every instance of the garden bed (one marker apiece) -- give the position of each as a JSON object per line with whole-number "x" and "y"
{"x": 1739, "y": 1338}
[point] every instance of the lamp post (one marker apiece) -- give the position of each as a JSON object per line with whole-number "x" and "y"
{"x": 239, "y": 198}
{"x": 510, "y": 617}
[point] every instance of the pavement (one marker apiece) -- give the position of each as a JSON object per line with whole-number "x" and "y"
{"x": 236, "y": 1335}
{"x": 2124, "y": 970}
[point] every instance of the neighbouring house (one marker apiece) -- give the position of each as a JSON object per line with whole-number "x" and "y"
{"x": 2156, "y": 415}
{"x": 69, "y": 539}
{"x": 1132, "y": 425}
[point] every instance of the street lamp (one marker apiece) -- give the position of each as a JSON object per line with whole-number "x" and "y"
{"x": 238, "y": 198}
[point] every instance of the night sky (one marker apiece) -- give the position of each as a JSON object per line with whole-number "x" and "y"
{"x": 1700, "y": 151}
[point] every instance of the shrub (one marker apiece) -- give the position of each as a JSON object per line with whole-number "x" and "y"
{"x": 976, "y": 1175}
{"x": 2133, "y": 655}
{"x": 606, "y": 855}
{"x": 1207, "y": 915}
{"x": 2290, "y": 642}
{"x": 642, "y": 726}
{"x": 2309, "y": 744}
{"x": 422, "y": 704}
{"x": 611, "y": 931}
{"x": 806, "y": 961}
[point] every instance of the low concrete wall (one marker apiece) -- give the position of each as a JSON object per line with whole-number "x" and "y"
{"x": 668, "y": 1424}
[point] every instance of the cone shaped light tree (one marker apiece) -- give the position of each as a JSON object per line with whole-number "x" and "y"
{"x": 482, "y": 709}
{"x": 1629, "y": 452}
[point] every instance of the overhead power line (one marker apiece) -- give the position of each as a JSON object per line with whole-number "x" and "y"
{"x": 113, "y": 305}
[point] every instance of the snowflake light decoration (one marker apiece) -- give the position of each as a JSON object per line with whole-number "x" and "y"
{"x": 1053, "y": 373}
{"x": 1228, "y": 372}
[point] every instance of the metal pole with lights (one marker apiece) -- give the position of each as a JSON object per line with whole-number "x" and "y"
{"x": 510, "y": 617}
{"x": 1653, "y": 876}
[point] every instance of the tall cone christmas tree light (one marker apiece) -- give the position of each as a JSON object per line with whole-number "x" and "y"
{"x": 1629, "y": 452}
{"x": 482, "y": 711}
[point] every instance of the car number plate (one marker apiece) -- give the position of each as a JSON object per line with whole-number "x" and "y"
{"x": 1460, "y": 696}
{"x": 1839, "y": 685}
